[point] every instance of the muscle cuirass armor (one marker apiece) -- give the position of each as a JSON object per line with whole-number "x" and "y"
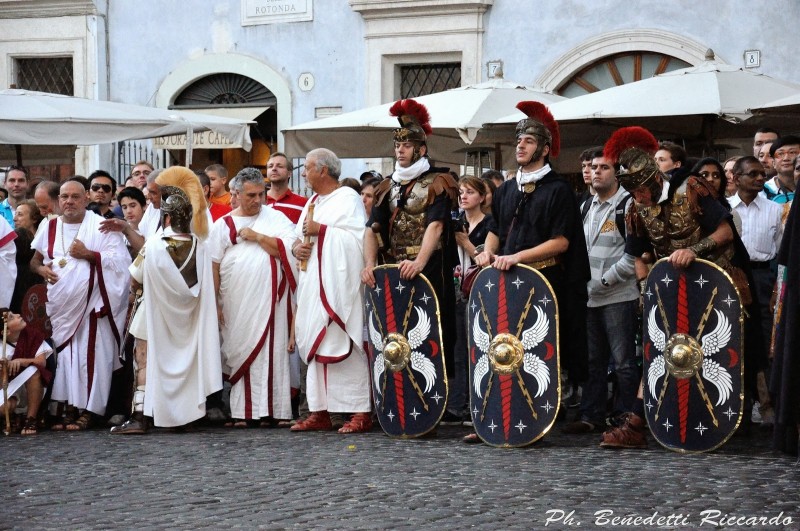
{"x": 682, "y": 230}
{"x": 184, "y": 256}
{"x": 408, "y": 226}
{"x": 672, "y": 226}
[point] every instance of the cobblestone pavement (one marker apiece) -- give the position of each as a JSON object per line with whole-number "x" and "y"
{"x": 215, "y": 478}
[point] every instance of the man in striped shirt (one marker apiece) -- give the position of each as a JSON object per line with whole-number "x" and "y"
{"x": 613, "y": 300}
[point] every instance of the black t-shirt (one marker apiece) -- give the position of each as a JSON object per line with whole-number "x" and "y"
{"x": 478, "y": 235}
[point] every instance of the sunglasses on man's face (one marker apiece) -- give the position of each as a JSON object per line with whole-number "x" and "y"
{"x": 104, "y": 187}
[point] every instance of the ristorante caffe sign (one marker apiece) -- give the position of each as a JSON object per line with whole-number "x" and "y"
{"x": 274, "y": 11}
{"x": 202, "y": 140}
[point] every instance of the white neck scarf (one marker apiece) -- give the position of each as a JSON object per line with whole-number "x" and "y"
{"x": 403, "y": 175}
{"x": 664, "y": 193}
{"x": 532, "y": 177}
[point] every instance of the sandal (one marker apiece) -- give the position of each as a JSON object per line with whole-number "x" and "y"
{"x": 359, "y": 423}
{"x": 31, "y": 426}
{"x": 70, "y": 416}
{"x": 83, "y": 423}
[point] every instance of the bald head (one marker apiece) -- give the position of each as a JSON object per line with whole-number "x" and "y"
{"x": 72, "y": 201}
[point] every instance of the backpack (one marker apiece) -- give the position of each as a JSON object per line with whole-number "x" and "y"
{"x": 619, "y": 212}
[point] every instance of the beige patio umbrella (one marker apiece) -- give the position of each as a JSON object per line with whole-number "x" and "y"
{"x": 457, "y": 118}
{"x": 700, "y": 103}
{"x": 52, "y": 119}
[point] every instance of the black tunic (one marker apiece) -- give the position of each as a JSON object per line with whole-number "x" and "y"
{"x": 548, "y": 212}
{"x": 785, "y": 375}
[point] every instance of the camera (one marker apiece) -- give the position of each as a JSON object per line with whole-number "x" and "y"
{"x": 458, "y": 223}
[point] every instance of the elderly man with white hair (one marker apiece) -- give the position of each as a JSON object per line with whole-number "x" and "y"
{"x": 330, "y": 321}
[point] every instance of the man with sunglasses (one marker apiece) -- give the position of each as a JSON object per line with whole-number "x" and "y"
{"x": 102, "y": 189}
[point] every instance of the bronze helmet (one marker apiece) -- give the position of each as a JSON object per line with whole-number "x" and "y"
{"x": 175, "y": 204}
{"x": 541, "y": 124}
{"x": 633, "y": 149}
{"x": 414, "y": 122}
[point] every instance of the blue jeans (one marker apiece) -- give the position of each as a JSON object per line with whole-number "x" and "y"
{"x": 611, "y": 331}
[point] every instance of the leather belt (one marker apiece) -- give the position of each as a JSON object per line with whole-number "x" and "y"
{"x": 410, "y": 253}
{"x": 547, "y": 262}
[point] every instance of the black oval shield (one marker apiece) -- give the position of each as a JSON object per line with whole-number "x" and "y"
{"x": 409, "y": 382}
{"x": 514, "y": 356}
{"x": 693, "y": 368}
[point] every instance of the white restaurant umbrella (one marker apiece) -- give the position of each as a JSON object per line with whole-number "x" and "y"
{"x": 52, "y": 119}
{"x": 457, "y": 118}
{"x": 707, "y": 101}
{"x": 782, "y": 114}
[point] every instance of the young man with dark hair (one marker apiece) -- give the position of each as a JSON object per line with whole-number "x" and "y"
{"x": 764, "y": 135}
{"x": 613, "y": 300}
{"x": 781, "y": 188}
{"x": 102, "y": 189}
{"x": 670, "y": 157}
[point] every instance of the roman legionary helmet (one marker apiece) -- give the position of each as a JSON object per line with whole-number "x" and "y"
{"x": 187, "y": 181}
{"x": 414, "y": 121}
{"x": 176, "y": 204}
{"x": 541, "y": 124}
{"x": 633, "y": 149}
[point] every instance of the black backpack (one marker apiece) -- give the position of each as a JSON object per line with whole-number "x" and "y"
{"x": 619, "y": 212}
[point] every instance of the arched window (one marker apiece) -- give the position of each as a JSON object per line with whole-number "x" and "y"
{"x": 618, "y": 69}
{"x": 619, "y": 57}
{"x": 225, "y": 89}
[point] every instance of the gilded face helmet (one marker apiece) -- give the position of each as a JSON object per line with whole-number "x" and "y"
{"x": 414, "y": 124}
{"x": 175, "y": 204}
{"x": 633, "y": 149}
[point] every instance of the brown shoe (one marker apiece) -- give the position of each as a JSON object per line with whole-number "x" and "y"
{"x": 136, "y": 425}
{"x": 317, "y": 421}
{"x": 360, "y": 423}
{"x": 632, "y": 434}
